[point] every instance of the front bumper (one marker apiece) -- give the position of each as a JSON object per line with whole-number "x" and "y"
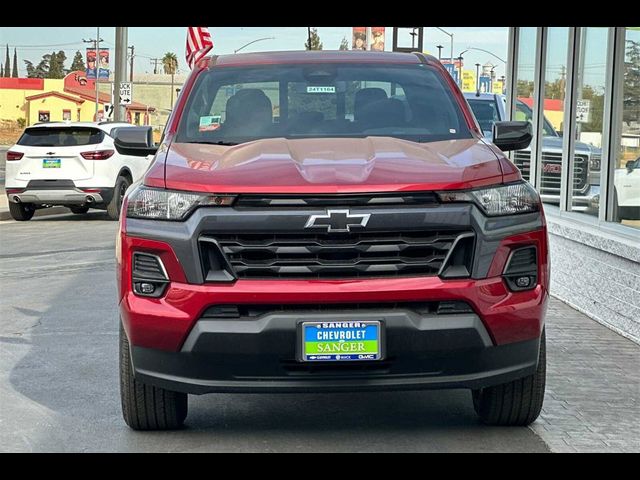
{"x": 422, "y": 352}
{"x": 174, "y": 345}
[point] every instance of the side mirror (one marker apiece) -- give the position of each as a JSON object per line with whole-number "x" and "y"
{"x": 630, "y": 165}
{"x": 512, "y": 135}
{"x": 136, "y": 141}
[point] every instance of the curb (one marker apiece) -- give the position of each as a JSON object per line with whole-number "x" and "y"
{"x": 5, "y": 215}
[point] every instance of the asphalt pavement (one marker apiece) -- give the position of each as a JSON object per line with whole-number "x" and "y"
{"x": 59, "y": 375}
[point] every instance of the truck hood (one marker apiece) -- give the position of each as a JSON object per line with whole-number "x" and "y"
{"x": 331, "y": 165}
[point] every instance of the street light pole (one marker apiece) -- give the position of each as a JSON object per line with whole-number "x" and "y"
{"x": 451, "y": 37}
{"x": 460, "y": 58}
{"x": 254, "y": 41}
{"x": 439, "y": 47}
{"x": 478, "y": 79}
{"x": 487, "y": 51}
{"x": 309, "y": 37}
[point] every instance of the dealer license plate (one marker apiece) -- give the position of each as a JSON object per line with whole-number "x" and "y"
{"x": 51, "y": 163}
{"x": 341, "y": 341}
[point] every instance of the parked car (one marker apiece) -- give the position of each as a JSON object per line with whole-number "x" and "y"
{"x": 626, "y": 181}
{"x": 74, "y": 164}
{"x": 489, "y": 108}
{"x": 358, "y": 243}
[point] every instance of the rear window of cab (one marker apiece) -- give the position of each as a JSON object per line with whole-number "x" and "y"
{"x": 230, "y": 105}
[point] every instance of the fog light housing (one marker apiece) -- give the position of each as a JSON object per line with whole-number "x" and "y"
{"x": 521, "y": 272}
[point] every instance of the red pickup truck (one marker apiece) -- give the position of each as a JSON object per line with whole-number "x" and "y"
{"x": 329, "y": 221}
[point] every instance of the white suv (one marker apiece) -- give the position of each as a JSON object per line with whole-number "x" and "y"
{"x": 74, "y": 164}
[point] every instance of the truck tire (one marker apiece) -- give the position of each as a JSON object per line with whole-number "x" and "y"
{"x": 22, "y": 211}
{"x": 113, "y": 208}
{"x": 79, "y": 210}
{"x": 145, "y": 407}
{"x": 516, "y": 403}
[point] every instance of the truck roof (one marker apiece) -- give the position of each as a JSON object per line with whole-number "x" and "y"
{"x": 313, "y": 56}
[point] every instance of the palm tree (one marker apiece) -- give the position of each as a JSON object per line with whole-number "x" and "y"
{"x": 170, "y": 63}
{"x": 170, "y": 66}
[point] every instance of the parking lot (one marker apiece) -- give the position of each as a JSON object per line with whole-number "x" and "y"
{"x": 59, "y": 376}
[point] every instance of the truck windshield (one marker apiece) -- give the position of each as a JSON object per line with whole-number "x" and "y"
{"x": 230, "y": 105}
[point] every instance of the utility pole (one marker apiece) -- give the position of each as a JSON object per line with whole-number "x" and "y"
{"x": 119, "y": 111}
{"x": 131, "y": 64}
{"x": 155, "y": 64}
{"x": 309, "y": 37}
{"x": 96, "y": 42}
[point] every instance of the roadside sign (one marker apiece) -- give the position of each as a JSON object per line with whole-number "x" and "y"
{"x": 126, "y": 93}
{"x": 582, "y": 111}
{"x": 108, "y": 111}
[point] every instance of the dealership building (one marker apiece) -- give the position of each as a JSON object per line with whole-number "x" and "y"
{"x": 591, "y": 185}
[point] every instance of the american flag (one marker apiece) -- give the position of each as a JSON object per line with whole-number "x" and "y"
{"x": 198, "y": 44}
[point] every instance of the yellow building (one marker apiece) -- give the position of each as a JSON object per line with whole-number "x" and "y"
{"x": 50, "y": 100}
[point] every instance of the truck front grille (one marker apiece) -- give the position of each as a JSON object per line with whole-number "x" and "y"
{"x": 551, "y": 166}
{"x": 322, "y": 255}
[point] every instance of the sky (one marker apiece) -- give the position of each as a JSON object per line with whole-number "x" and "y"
{"x": 154, "y": 42}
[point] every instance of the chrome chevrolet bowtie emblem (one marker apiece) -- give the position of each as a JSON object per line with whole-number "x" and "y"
{"x": 338, "y": 221}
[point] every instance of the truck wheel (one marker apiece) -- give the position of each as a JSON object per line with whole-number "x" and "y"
{"x": 145, "y": 407}
{"x": 516, "y": 403}
{"x": 113, "y": 208}
{"x": 22, "y": 211}
{"x": 79, "y": 210}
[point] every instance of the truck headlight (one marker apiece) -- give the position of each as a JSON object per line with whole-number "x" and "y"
{"x": 159, "y": 204}
{"x": 503, "y": 200}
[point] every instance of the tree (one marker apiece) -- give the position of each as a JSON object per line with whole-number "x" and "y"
{"x": 170, "y": 63}
{"x": 14, "y": 73}
{"x": 631, "y": 90}
{"x": 78, "y": 62}
{"x": 56, "y": 65}
{"x": 596, "y": 109}
{"x": 316, "y": 44}
{"x": 344, "y": 44}
{"x": 41, "y": 70}
{"x": 7, "y": 65}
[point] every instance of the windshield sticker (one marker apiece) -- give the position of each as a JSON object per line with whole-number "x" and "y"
{"x": 318, "y": 89}
{"x": 210, "y": 122}
{"x": 452, "y": 130}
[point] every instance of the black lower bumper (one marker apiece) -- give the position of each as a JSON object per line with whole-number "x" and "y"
{"x": 421, "y": 352}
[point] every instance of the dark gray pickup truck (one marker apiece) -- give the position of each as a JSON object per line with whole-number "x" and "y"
{"x": 489, "y": 108}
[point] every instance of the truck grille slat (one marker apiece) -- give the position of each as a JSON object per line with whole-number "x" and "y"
{"x": 342, "y": 255}
{"x": 551, "y": 165}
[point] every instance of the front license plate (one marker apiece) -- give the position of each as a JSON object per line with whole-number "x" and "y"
{"x": 341, "y": 341}
{"x": 51, "y": 163}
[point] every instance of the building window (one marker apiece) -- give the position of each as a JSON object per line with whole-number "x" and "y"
{"x": 626, "y": 176}
{"x": 44, "y": 116}
{"x": 66, "y": 115}
{"x": 555, "y": 81}
{"x": 526, "y": 56}
{"x": 137, "y": 118}
{"x": 587, "y": 155}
